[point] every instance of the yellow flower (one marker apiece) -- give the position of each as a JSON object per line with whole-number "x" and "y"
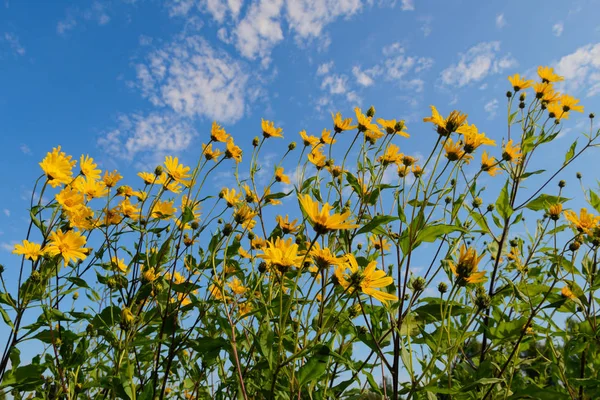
{"x": 58, "y": 167}
{"x": 243, "y": 253}
{"x": 569, "y": 103}
{"x": 88, "y": 168}
{"x": 69, "y": 245}
{"x": 217, "y": 133}
{"x": 147, "y": 177}
{"x": 518, "y": 83}
{"x": 379, "y": 243}
{"x": 245, "y": 308}
{"x": 178, "y": 172}
{"x": 326, "y": 137}
{"x": 365, "y": 124}
{"x": 466, "y": 269}
{"x": 322, "y": 221}
{"x": 124, "y": 191}
{"x": 280, "y": 176}
{"x": 488, "y": 164}
{"x": 233, "y": 151}
{"x": 111, "y": 217}
{"x": 473, "y": 139}
{"x": 92, "y": 189}
{"x": 163, "y": 209}
{"x": 287, "y": 226}
{"x": 309, "y": 140}
{"x": 417, "y": 171}
{"x": 391, "y": 126}
{"x": 403, "y": 171}
{"x": 547, "y": 75}
{"x": 209, "y": 153}
{"x": 373, "y": 136}
{"x": 251, "y": 197}
{"x": 323, "y": 257}
{"x": 282, "y": 254}
{"x": 129, "y": 210}
{"x": 541, "y": 88}
{"x": 455, "y": 152}
{"x": 550, "y": 96}
{"x": 555, "y": 110}
{"x": 352, "y": 278}
{"x": 511, "y": 152}
{"x": 69, "y": 198}
{"x": 584, "y": 222}
{"x": 118, "y": 263}
{"x": 244, "y": 215}
{"x": 230, "y": 196}
{"x": 317, "y": 157}
{"x": 445, "y": 126}
{"x": 29, "y": 250}
{"x": 168, "y": 183}
{"x": 127, "y": 316}
{"x": 81, "y": 217}
{"x": 554, "y": 211}
{"x": 110, "y": 179}
{"x": 567, "y": 293}
{"x": 258, "y": 243}
{"x": 194, "y": 206}
{"x": 392, "y": 155}
{"x": 269, "y": 130}
{"x": 237, "y": 286}
{"x": 149, "y": 274}
{"x": 340, "y": 124}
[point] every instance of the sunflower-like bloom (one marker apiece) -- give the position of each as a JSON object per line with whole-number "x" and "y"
{"x": 69, "y": 198}
{"x": 129, "y": 210}
{"x": 519, "y": 83}
{"x": 149, "y": 274}
{"x": 258, "y": 243}
{"x": 556, "y": 111}
{"x": 269, "y": 130}
{"x": 209, "y": 153}
{"x": 317, "y": 157}
{"x": 455, "y": 152}
{"x": 403, "y": 171}
{"x": 323, "y": 257}
{"x": 511, "y": 152}
{"x": 287, "y": 226}
{"x": 547, "y": 75}
{"x": 147, "y": 177}
{"x": 233, "y": 151}
{"x": 489, "y": 164}
{"x": 567, "y": 293}
{"x": 29, "y": 250}
{"x": 392, "y": 155}
{"x": 110, "y": 179}
{"x": 163, "y": 209}
{"x": 392, "y": 126}
{"x": 176, "y": 171}
{"x": 69, "y": 245}
{"x": 352, "y": 278}
{"x": 237, "y": 287}
{"x": 340, "y": 124}
{"x": 541, "y": 88}
{"x": 194, "y": 206}
{"x": 569, "y": 103}
{"x": 472, "y": 138}
{"x": 217, "y": 133}
{"x": 417, "y": 171}
{"x": 118, "y": 263}
{"x": 91, "y": 188}
{"x": 81, "y": 217}
{"x": 322, "y": 221}
{"x": 551, "y": 96}
{"x": 58, "y": 167}
{"x": 466, "y": 269}
{"x": 584, "y": 222}
{"x": 379, "y": 243}
{"x": 554, "y": 211}
{"x": 281, "y": 177}
{"x": 250, "y": 196}
{"x": 326, "y": 137}
{"x": 309, "y": 140}
{"x": 445, "y": 126}
{"x": 372, "y": 136}
{"x": 231, "y": 196}
{"x": 88, "y": 168}
{"x": 282, "y": 254}
{"x": 244, "y": 214}
{"x": 111, "y": 216}
{"x": 365, "y": 124}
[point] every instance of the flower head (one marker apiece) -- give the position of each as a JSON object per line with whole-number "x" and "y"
{"x": 518, "y": 83}
{"x": 163, "y": 209}
{"x": 269, "y": 130}
{"x": 489, "y": 164}
{"x": 445, "y": 126}
{"x": 547, "y": 75}
{"x": 326, "y": 137}
{"x": 309, "y": 140}
{"x": 209, "y": 153}
{"x": 392, "y": 126}
{"x": 217, "y": 133}
{"x": 281, "y": 177}
{"x": 29, "y": 250}
{"x": 58, "y": 167}
{"x": 233, "y": 151}
{"x": 69, "y": 245}
{"x": 351, "y": 277}
{"x": 392, "y": 155}
{"x": 340, "y": 124}
{"x": 466, "y": 269}
{"x": 511, "y": 152}
{"x": 282, "y": 254}
{"x": 317, "y": 157}
{"x": 88, "y": 168}
{"x": 110, "y": 179}
{"x": 556, "y": 111}
{"x": 569, "y": 103}
{"x": 455, "y": 152}
{"x": 365, "y": 124}
{"x": 584, "y": 222}
{"x": 176, "y": 171}
{"x": 472, "y": 138}
{"x": 231, "y": 196}
{"x": 287, "y": 226}
{"x": 119, "y": 264}
{"x": 322, "y": 221}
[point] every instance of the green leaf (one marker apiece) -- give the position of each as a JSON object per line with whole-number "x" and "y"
{"x": 571, "y": 153}
{"x": 503, "y": 205}
{"x": 6, "y": 318}
{"x": 375, "y": 222}
{"x": 431, "y": 232}
{"x": 316, "y": 365}
{"x": 543, "y": 201}
{"x": 594, "y": 200}
{"x": 511, "y": 117}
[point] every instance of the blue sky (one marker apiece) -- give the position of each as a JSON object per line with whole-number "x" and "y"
{"x": 130, "y": 81}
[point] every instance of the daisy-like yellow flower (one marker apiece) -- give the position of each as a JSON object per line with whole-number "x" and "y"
{"x": 472, "y": 138}
{"x": 547, "y": 75}
{"x": 541, "y": 88}
{"x": 467, "y": 267}
{"x": 326, "y": 137}
{"x": 584, "y": 222}
{"x": 392, "y": 155}
{"x": 550, "y": 96}
{"x": 403, "y": 171}
{"x": 510, "y": 152}
{"x": 244, "y": 214}
{"x": 269, "y": 130}
{"x": 335, "y": 170}
{"x": 365, "y": 124}
{"x": 280, "y": 176}
{"x": 129, "y": 210}
{"x": 168, "y": 183}
{"x": 69, "y": 245}
{"x": 81, "y": 217}
{"x": 91, "y": 188}
{"x": 237, "y": 287}
{"x": 110, "y": 179}
{"x": 245, "y": 308}
{"x": 69, "y": 198}
{"x": 233, "y": 151}
{"x": 323, "y": 257}
{"x": 455, "y": 152}
{"x": 258, "y": 243}
{"x": 251, "y": 197}
{"x": 282, "y": 254}
{"x": 243, "y": 253}
{"x": 217, "y": 133}
{"x": 379, "y": 243}
{"x": 321, "y": 220}
{"x": 352, "y": 278}
{"x": 445, "y": 126}
{"x": 230, "y": 196}
{"x": 417, "y": 171}
{"x": 317, "y": 157}
{"x": 209, "y": 153}
{"x": 29, "y": 250}
{"x": 340, "y": 124}
{"x": 373, "y": 136}
{"x": 149, "y": 274}
{"x": 147, "y": 177}
{"x": 88, "y": 168}
{"x": 554, "y": 211}
{"x": 287, "y": 226}
{"x": 556, "y": 111}
{"x": 309, "y": 140}
{"x": 111, "y": 217}
{"x": 118, "y": 263}
{"x": 489, "y": 164}
{"x": 569, "y": 103}
{"x": 519, "y": 83}
{"x": 176, "y": 171}
{"x": 392, "y": 126}
{"x": 58, "y": 167}
{"x": 163, "y": 209}
{"x": 567, "y": 293}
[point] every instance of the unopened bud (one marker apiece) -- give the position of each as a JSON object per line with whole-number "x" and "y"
{"x": 419, "y": 284}
{"x": 509, "y": 94}
{"x": 158, "y": 170}
{"x": 371, "y": 112}
{"x": 442, "y": 287}
{"x": 562, "y": 184}
{"x": 291, "y": 146}
{"x": 255, "y": 141}
{"x": 490, "y": 207}
{"x": 578, "y": 175}
{"x": 227, "y": 229}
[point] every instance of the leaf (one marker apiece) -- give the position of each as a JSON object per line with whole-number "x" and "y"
{"x": 431, "y": 232}
{"x": 502, "y": 204}
{"x": 375, "y": 222}
{"x": 316, "y": 365}
{"x": 570, "y": 153}
{"x": 511, "y": 117}
{"x": 543, "y": 201}
{"x": 6, "y": 318}
{"x": 594, "y": 200}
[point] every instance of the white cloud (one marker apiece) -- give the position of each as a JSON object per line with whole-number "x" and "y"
{"x": 500, "y": 21}
{"x": 25, "y": 149}
{"x": 336, "y": 84}
{"x": 365, "y": 78}
{"x": 217, "y": 8}
{"x": 7, "y": 247}
{"x": 557, "y": 29}
{"x": 13, "y": 42}
{"x": 491, "y": 107}
{"x": 6, "y": 212}
{"x": 308, "y": 17}
{"x": 581, "y": 69}
{"x": 152, "y": 136}
{"x": 195, "y": 80}
{"x": 402, "y": 68}
{"x": 325, "y": 68}
{"x": 408, "y": 5}
{"x": 260, "y": 30}
{"x": 477, "y": 63}
{"x": 66, "y": 25}
{"x": 426, "y": 26}
{"x": 145, "y": 40}
{"x": 97, "y": 12}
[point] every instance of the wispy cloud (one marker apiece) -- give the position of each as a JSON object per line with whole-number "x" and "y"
{"x": 557, "y": 29}
{"x": 581, "y": 69}
{"x": 500, "y": 21}
{"x": 25, "y": 149}
{"x": 97, "y": 12}
{"x": 491, "y": 107}
{"x": 13, "y": 43}
{"x": 6, "y": 212}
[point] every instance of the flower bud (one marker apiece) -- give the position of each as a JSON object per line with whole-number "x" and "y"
{"x": 513, "y": 243}
{"x": 291, "y": 146}
{"x": 227, "y": 229}
{"x": 158, "y": 170}
{"x": 562, "y": 184}
{"x": 521, "y": 105}
{"x": 442, "y": 287}
{"x": 262, "y": 267}
{"x": 477, "y": 202}
{"x": 509, "y": 94}
{"x": 592, "y": 115}
{"x": 359, "y": 246}
{"x": 255, "y": 141}
{"x": 419, "y": 284}
{"x": 195, "y": 225}
{"x": 490, "y": 207}
{"x": 371, "y": 112}
{"x": 482, "y": 300}
{"x": 75, "y": 295}
{"x": 448, "y": 200}
{"x": 578, "y": 175}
